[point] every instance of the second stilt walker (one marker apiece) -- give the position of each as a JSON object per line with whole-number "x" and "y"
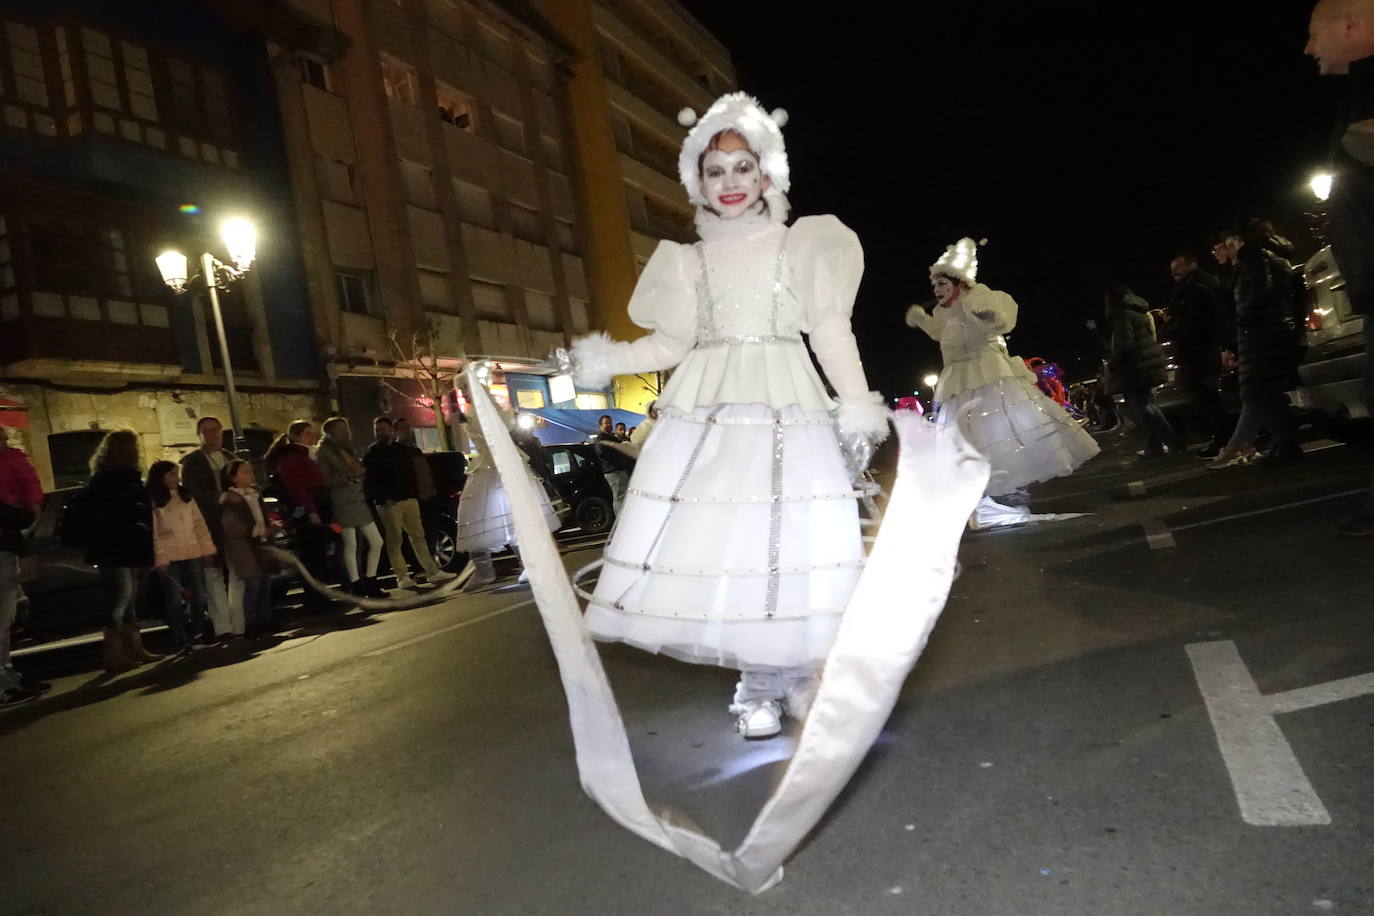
{"x": 1025, "y": 436}
{"x": 739, "y": 543}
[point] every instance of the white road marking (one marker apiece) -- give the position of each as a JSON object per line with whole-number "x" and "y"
{"x": 1268, "y": 509}
{"x": 1158, "y": 536}
{"x": 448, "y": 629}
{"x": 1136, "y": 488}
{"x": 1271, "y": 788}
{"x": 1320, "y": 694}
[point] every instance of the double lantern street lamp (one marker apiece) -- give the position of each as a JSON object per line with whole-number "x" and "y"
{"x": 240, "y": 238}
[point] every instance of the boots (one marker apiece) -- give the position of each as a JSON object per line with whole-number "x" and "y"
{"x": 370, "y": 589}
{"x": 112, "y": 650}
{"x": 484, "y": 572}
{"x": 991, "y": 514}
{"x": 133, "y": 644}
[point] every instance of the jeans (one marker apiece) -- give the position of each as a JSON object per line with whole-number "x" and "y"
{"x": 183, "y": 579}
{"x": 350, "y": 550}
{"x": 9, "y": 607}
{"x": 121, "y": 588}
{"x": 1151, "y": 421}
{"x": 404, "y": 516}
{"x": 1263, "y": 407}
{"x": 250, "y": 604}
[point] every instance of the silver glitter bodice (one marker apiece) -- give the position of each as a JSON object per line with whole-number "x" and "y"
{"x": 742, "y": 298}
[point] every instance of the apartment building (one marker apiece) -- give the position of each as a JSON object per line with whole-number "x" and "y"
{"x": 431, "y": 181}
{"x": 125, "y": 132}
{"x": 637, "y": 63}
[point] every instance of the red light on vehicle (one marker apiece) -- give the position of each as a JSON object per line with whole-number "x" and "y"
{"x": 1314, "y": 320}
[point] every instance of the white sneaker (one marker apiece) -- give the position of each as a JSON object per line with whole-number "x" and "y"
{"x": 405, "y": 582}
{"x": 763, "y": 721}
{"x": 441, "y": 577}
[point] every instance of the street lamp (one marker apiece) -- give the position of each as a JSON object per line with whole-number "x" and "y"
{"x": 240, "y": 238}
{"x": 931, "y": 380}
{"x": 1320, "y": 183}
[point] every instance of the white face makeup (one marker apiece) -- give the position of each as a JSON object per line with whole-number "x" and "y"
{"x": 946, "y": 290}
{"x": 731, "y": 181}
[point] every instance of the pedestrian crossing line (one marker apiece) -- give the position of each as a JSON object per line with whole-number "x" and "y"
{"x": 1158, "y": 535}
{"x": 406, "y": 643}
{"x": 1268, "y": 509}
{"x": 1320, "y": 694}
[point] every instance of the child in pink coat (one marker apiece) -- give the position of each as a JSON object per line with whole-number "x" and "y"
{"x": 181, "y": 544}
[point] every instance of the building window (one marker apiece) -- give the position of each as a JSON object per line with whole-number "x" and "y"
{"x": 399, "y": 81}
{"x": 525, "y": 224}
{"x": 419, "y": 184}
{"x": 100, "y": 69}
{"x": 474, "y": 204}
{"x": 490, "y": 300}
{"x": 355, "y": 291}
{"x": 336, "y": 180}
{"x": 434, "y": 290}
{"x": 200, "y": 105}
{"x": 138, "y": 76}
{"x": 510, "y": 133}
{"x": 455, "y": 107}
{"x": 313, "y": 71}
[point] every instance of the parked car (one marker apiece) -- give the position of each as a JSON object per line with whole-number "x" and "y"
{"x": 579, "y": 479}
{"x": 1331, "y": 375}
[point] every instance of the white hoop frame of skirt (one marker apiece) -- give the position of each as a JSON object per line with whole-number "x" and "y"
{"x": 939, "y": 480}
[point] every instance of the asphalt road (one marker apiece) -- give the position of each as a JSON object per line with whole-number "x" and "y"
{"x": 1053, "y": 752}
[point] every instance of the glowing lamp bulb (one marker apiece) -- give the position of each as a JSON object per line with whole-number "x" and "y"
{"x": 1321, "y": 185}
{"x": 242, "y": 240}
{"x": 172, "y": 266}
{"x": 930, "y": 380}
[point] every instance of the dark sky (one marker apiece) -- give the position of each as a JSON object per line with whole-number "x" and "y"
{"x": 1086, "y": 140}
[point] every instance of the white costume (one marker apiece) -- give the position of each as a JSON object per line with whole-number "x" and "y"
{"x": 739, "y": 543}
{"x": 991, "y": 395}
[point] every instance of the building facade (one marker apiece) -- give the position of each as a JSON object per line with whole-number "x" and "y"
{"x": 124, "y": 134}
{"x": 637, "y": 64}
{"x": 431, "y": 181}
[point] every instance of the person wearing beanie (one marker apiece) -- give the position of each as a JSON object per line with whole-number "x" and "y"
{"x": 990, "y": 395}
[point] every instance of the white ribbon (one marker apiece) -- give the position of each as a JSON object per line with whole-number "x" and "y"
{"x": 886, "y": 624}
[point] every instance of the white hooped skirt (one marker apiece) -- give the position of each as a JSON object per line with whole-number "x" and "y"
{"x": 484, "y": 519}
{"x": 739, "y": 542}
{"x": 1025, "y": 436}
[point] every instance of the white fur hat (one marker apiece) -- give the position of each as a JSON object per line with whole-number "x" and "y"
{"x": 742, "y": 113}
{"x": 960, "y": 261}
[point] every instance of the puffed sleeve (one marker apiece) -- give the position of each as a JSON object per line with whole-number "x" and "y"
{"x": 827, "y": 263}
{"x": 663, "y": 302}
{"x": 991, "y": 307}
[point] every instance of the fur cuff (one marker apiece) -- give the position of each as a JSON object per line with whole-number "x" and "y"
{"x": 592, "y": 358}
{"x": 864, "y": 416}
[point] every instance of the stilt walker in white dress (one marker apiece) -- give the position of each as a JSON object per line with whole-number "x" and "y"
{"x": 739, "y": 543}
{"x": 484, "y": 516}
{"x": 1025, "y": 436}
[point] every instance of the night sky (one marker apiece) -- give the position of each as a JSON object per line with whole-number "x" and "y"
{"x": 1086, "y": 140}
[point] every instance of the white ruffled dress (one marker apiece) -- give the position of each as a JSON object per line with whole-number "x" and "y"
{"x": 484, "y": 518}
{"x": 739, "y": 542}
{"x": 992, "y": 396}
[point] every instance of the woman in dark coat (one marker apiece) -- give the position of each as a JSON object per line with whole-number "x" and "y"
{"x": 1265, "y": 345}
{"x": 118, "y": 514}
{"x": 1136, "y": 366}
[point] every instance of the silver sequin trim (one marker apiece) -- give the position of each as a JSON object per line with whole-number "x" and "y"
{"x": 787, "y": 613}
{"x": 680, "y": 415}
{"x": 774, "y": 497}
{"x": 707, "y": 335}
{"x": 746, "y": 339}
{"x": 713, "y": 573}
{"x": 770, "y": 604}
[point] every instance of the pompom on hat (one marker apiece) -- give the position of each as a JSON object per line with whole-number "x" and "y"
{"x": 959, "y": 261}
{"x": 762, "y": 130}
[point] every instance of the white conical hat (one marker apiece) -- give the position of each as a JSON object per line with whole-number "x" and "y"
{"x": 742, "y": 113}
{"x": 960, "y": 261}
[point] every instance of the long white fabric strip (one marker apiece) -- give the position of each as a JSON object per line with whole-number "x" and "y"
{"x": 886, "y": 624}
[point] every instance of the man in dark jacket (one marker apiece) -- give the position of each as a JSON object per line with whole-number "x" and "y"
{"x": 391, "y": 485}
{"x": 1341, "y": 38}
{"x": 1136, "y": 366}
{"x": 1194, "y": 313}
{"x": 201, "y": 475}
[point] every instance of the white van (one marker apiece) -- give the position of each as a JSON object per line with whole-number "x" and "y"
{"x": 1331, "y": 375}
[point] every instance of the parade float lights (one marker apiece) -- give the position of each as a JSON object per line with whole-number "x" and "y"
{"x": 1320, "y": 183}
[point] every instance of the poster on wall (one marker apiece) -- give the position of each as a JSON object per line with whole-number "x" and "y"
{"x": 177, "y": 423}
